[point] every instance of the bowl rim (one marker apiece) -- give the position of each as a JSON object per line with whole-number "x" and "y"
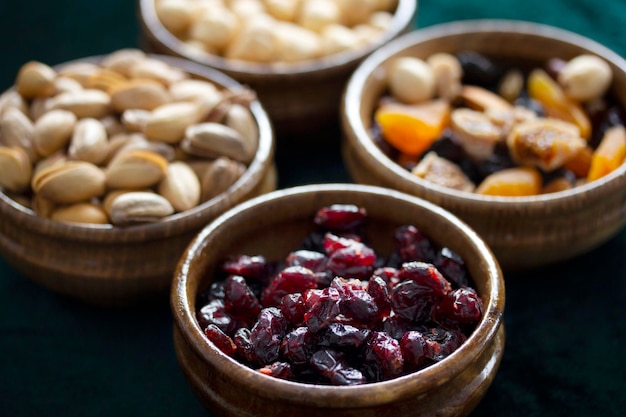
{"x": 402, "y": 19}
{"x": 190, "y": 219}
{"x": 320, "y": 395}
{"x": 357, "y": 134}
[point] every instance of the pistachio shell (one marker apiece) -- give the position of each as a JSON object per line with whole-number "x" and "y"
{"x": 239, "y": 118}
{"x": 156, "y": 70}
{"x": 70, "y": 182}
{"x": 83, "y": 103}
{"x": 139, "y": 206}
{"x": 135, "y": 169}
{"x": 15, "y": 169}
{"x": 135, "y": 120}
{"x": 79, "y": 71}
{"x": 167, "y": 123}
{"x": 219, "y": 176}
{"x": 192, "y": 90}
{"x": 106, "y": 80}
{"x": 80, "y": 213}
{"x": 64, "y": 84}
{"x": 53, "y": 131}
{"x": 17, "y": 130}
{"x": 212, "y": 140}
{"x": 35, "y": 79}
{"x": 89, "y": 141}
{"x": 122, "y": 60}
{"x": 12, "y": 99}
{"x": 180, "y": 186}
{"x": 139, "y": 94}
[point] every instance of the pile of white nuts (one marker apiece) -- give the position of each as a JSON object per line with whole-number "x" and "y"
{"x": 125, "y": 140}
{"x": 273, "y": 31}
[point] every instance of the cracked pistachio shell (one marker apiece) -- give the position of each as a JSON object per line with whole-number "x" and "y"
{"x": 84, "y": 103}
{"x": 135, "y": 169}
{"x": 80, "y": 213}
{"x": 53, "y": 131}
{"x": 168, "y": 123}
{"x": 89, "y": 141}
{"x": 69, "y": 182}
{"x": 15, "y": 169}
{"x": 212, "y": 140}
{"x": 180, "y": 186}
{"x": 139, "y": 207}
{"x": 35, "y": 79}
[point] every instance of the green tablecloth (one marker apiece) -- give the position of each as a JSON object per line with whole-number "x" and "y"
{"x": 566, "y": 336}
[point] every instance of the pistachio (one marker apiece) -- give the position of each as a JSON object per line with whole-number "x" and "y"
{"x": 35, "y": 79}
{"x": 120, "y": 141}
{"x": 89, "y": 141}
{"x": 38, "y": 107}
{"x": 239, "y": 118}
{"x": 69, "y": 182}
{"x": 83, "y": 103}
{"x": 137, "y": 207}
{"x": 438, "y": 170}
{"x": 80, "y": 213}
{"x": 138, "y": 94}
{"x": 156, "y": 70}
{"x": 211, "y": 140}
{"x": 193, "y": 90}
{"x": 167, "y": 123}
{"x": 53, "y": 131}
{"x": 79, "y": 71}
{"x": 175, "y": 15}
{"x": 585, "y": 77}
{"x": 42, "y": 206}
{"x": 411, "y": 80}
{"x": 181, "y": 186}
{"x": 57, "y": 158}
{"x": 475, "y": 131}
{"x": 15, "y": 169}
{"x": 140, "y": 142}
{"x": 544, "y": 143}
{"x": 13, "y": 99}
{"x": 63, "y": 84}
{"x": 219, "y": 176}
{"x": 135, "y": 169}
{"x": 105, "y": 80}
{"x": 17, "y": 130}
{"x": 134, "y": 120}
{"x": 112, "y": 125}
{"x": 122, "y": 60}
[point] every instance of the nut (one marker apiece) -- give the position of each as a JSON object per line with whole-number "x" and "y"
{"x": 475, "y": 131}
{"x": 440, "y": 171}
{"x": 447, "y": 71}
{"x": 35, "y": 79}
{"x": 239, "y": 118}
{"x": 511, "y": 85}
{"x": 193, "y": 90}
{"x": 219, "y": 176}
{"x": 138, "y": 207}
{"x": 175, "y": 15}
{"x": 481, "y": 99}
{"x": 69, "y": 182}
{"x": 411, "y": 80}
{"x": 167, "y": 123}
{"x": 89, "y": 141}
{"x": 138, "y": 94}
{"x": 17, "y": 130}
{"x": 154, "y": 69}
{"x": 317, "y": 14}
{"x": 83, "y": 103}
{"x": 212, "y": 140}
{"x": 15, "y": 169}
{"x": 12, "y": 99}
{"x": 80, "y": 213}
{"x": 53, "y": 131}
{"x": 215, "y": 28}
{"x": 122, "y": 60}
{"x": 80, "y": 72}
{"x": 585, "y": 78}
{"x": 135, "y": 169}
{"x": 181, "y": 186}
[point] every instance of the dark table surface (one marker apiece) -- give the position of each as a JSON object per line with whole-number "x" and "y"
{"x": 566, "y": 334}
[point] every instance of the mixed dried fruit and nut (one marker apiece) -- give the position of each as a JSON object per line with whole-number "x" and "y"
{"x": 275, "y": 31}
{"x": 128, "y": 139}
{"x": 476, "y": 124}
{"x": 335, "y": 311}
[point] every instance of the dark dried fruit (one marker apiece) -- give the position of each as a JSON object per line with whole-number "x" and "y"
{"x": 382, "y": 357}
{"x": 324, "y": 310}
{"x": 425, "y": 274}
{"x": 220, "y": 339}
{"x": 247, "y": 266}
{"x": 414, "y": 348}
{"x": 413, "y": 245}
{"x": 452, "y": 266}
{"x": 340, "y": 217}
{"x": 215, "y": 313}
{"x": 297, "y": 346}
{"x": 343, "y": 336}
{"x": 332, "y": 366}
{"x": 239, "y": 300}
{"x": 267, "y": 334}
{"x": 412, "y": 301}
{"x": 290, "y": 280}
{"x": 280, "y": 370}
{"x": 462, "y": 305}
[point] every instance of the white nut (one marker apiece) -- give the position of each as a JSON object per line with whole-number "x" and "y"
{"x": 447, "y": 71}
{"x": 317, "y": 14}
{"x": 215, "y": 28}
{"x": 585, "y": 78}
{"x": 175, "y": 15}
{"x": 295, "y": 43}
{"x": 411, "y": 80}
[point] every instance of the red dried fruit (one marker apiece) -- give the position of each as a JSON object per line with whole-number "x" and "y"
{"x": 239, "y": 300}
{"x": 414, "y": 346}
{"x": 462, "y": 305}
{"x": 382, "y": 357}
{"x": 413, "y": 301}
{"x": 389, "y": 274}
{"x": 379, "y": 291}
{"x": 355, "y": 302}
{"x": 332, "y": 366}
{"x": 290, "y": 280}
{"x": 247, "y": 266}
{"x": 215, "y": 313}
{"x": 333, "y": 242}
{"x": 324, "y": 310}
{"x": 342, "y": 336}
{"x": 425, "y": 274}
{"x": 280, "y": 370}
{"x": 354, "y": 261}
{"x": 441, "y": 343}
{"x": 413, "y": 245}
{"x": 245, "y": 350}
{"x": 297, "y": 346}
{"x": 340, "y": 217}
{"x": 315, "y": 261}
{"x": 220, "y": 339}
{"x": 452, "y": 266}
{"x": 267, "y": 334}
{"x": 293, "y": 308}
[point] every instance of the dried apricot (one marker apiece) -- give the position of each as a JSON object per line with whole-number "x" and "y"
{"x": 512, "y": 182}
{"x": 610, "y": 154}
{"x": 412, "y": 128}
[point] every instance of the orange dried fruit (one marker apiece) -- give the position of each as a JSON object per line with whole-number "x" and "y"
{"x": 512, "y": 182}
{"x": 548, "y": 92}
{"x": 412, "y": 128}
{"x": 580, "y": 163}
{"x": 610, "y": 154}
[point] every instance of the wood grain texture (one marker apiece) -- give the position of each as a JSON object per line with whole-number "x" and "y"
{"x": 523, "y": 232}
{"x": 121, "y": 265}
{"x": 298, "y": 98}
{"x": 273, "y": 225}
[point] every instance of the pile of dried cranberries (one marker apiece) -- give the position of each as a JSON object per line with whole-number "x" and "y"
{"x": 336, "y": 312}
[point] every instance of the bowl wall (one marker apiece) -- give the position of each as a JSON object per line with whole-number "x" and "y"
{"x": 120, "y": 265}
{"x": 523, "y": 232}
{"x": 273, "y": 225}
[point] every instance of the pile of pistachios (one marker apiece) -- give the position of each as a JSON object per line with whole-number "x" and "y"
{"x": 125, "y": 140}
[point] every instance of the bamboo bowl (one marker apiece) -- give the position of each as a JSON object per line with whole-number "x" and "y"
{"x": 272, "y": 225}
{"x": 299, "y": 98}
{"x": 523, "y": 232}
{"x": 111, "y": 266}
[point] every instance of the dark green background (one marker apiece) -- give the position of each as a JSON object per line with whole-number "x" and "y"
{"x": 566, "y": 334}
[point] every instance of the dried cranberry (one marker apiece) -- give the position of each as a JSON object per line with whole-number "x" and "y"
{"x": 239, "y": 300}
{"x": 396, "y": 326}
{"x": 333, "y": 242}
{"x": 215, "y": 313}
{"x": 382, "y": 357}
{"x": 441, "y": 343}
{"x": 293, "y": 308}
{"x": 389, "y": 274}
{"x": 342, "y": 336}
{"x": 246, "y": 266}
{"x": 280, "y": 370}
{"x": 413, "y": 245}
{"x": 462, "y": 305}
{"x": 245, "y": 350}
{"x": 220, "y": 339}
{"x": 333, "y": 367}
{"x": 452, "y": 266}
{"x": 414, "y": 347}
{"x": 324, "y": 310}
{"x": 315, "y": 261}
{"x": 290, "y": 280}
{"x": 358, "y": 305}
{"x": 425, "y": 274}
{"x": 298, "y": 346}
{"x": 413, "y": 301}
{"x": 267, "y": 334}
{"x": 379, "y": 291}
{"x": 354, "y": 261}
{"x": 340, "y": 217}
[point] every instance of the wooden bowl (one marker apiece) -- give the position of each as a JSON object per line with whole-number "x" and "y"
{"x": 298, "y": 98}
{"x": 273, "y": 225}
{"x": 107, "y": 265}
{"x": 523, "y": 232}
